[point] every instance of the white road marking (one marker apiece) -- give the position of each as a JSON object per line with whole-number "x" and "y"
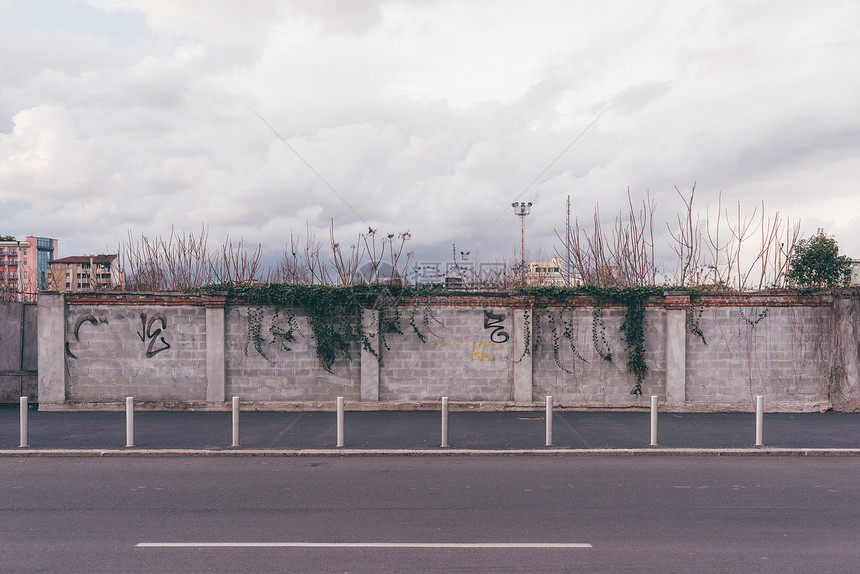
{"x": 547, "y": 545}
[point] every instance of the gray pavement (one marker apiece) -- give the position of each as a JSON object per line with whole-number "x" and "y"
{"x": 421, "y": 431}
{"x": 643, "y": 515}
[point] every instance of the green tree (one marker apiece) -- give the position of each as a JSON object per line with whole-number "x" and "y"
{"x": 816, "y": 262}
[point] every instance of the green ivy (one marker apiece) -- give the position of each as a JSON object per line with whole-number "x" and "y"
{"x": 334, "y": 314}
{"x": 693, "y": 318}
{"x": 753, "y": 322}
{"x": 568, "y": 333}
{"x": 633, "y": 326}
{"x": 527, "y": 334}
{"x": 598, "y": 334}
{"x": 556, "y": 352}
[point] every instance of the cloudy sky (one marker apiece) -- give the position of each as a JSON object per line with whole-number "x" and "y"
{"x": 431, "y": 117}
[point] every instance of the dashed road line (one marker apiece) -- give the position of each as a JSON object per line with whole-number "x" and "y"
{"x": 487, "y": 545}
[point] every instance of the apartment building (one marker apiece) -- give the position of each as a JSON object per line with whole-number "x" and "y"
{"x": 86, "y": 273}
{"x": 551, "y": 273}
{"x": 852, "y": 275}
{"x": 25, "y": 266}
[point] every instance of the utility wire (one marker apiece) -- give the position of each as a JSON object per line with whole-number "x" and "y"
{"x": 546, "y": 169}
{"x": 310, "y": 167}
{"x": 502, "y": 213}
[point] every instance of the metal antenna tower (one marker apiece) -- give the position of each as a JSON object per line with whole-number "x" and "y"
{"x": 567, "y": 267}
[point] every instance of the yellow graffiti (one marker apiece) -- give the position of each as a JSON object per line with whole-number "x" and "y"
{"x": 483, "y": 351}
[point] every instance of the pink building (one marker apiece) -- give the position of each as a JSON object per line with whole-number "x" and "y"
{"x": 24, "y": 266}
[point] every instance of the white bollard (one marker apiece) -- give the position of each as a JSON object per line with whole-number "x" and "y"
{"x": 653, "y": 420}
{"x": 340, "y": 421}
{"x": 759, "y": 419}
{"x": 24, "y": 405}
{"x": 129, "y": 421}
{"x": 444, "y": 422}
{"x": 235, "y": 421}
{"x": 549, "y": 420}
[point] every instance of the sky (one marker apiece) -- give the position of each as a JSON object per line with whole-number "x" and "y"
{"x": 259, "y": 119}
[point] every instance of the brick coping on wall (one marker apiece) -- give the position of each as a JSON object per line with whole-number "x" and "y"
{"x": 670, "y": 300}
{"x": 169, "y": 299}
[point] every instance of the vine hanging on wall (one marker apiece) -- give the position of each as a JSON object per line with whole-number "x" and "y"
{"x": 632, "y": 328}
{"x": 333, "y": 313}
{"x": 694, "y": 316}
{"x": 556, "y": 353}
{"x": 567, "y": 332}
{"x": 753, "y": 322}
{"x": 598, "y": 334}
{"x": 527, "y": 333}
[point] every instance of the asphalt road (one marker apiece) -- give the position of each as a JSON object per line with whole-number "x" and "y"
{"x": 637, "y": 514}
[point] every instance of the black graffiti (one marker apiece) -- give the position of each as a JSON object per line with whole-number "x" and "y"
{"x": 148, "y": 333}
{"x": 81, "y": 320}
{"x": 494, "y": 322}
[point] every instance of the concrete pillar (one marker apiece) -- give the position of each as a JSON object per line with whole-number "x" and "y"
{"x": 52, "y": 348}
{"x": 676, "y": 348}
{"x": 844, "y": 341}
{"x": 522, "y": 360}
{"x": 216, "y": 367}
{"x": 369, "y": 362}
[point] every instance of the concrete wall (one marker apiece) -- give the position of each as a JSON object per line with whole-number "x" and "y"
{"x": 148, "y": 352}
{"x": 784, "y": 356}
{"x": 282, "y": 375}
{"x": 18, "y": 351}
{"x": 577, "y": 373}
{"x": 461, "y": 358}
{"x": 800, "y": 353}
{"x": 845, "y": 355}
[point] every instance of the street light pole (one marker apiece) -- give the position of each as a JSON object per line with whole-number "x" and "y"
{"x": 521, "y": 209}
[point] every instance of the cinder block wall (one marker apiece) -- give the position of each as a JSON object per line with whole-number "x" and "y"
{"x": 799, "y": 352}
{"x": 149, "y": 352}
{"x": 279, "y": 374}
{"x": 17, "y": 351}
{"x": 578, "y": 374}
{"x": 845, "y": 352}
{"x": 461, "y": 358}
{"x": 780, "y": 352}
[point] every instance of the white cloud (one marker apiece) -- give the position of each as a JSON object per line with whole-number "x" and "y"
{"x": 429, "y": 116}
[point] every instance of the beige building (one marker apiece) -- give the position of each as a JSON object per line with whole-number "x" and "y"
{"x": 551, "y": 273}
{"x": 86, "y": 273}
{"x": 854, "y": 272}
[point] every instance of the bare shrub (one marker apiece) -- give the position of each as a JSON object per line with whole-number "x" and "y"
{"x": 622, "y": 258}
{"x": 345, "y": 262}
{"x": 755, "y": 256}
{"x": 238, "y": 264}
{"x": 743, "y": 252}
{"x": 293, "y": 267}
{"x": 687, "y": 242}
{"x": 183, "y": 260}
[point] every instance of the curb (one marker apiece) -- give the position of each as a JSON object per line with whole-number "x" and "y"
{"x": 348, "y": 453}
